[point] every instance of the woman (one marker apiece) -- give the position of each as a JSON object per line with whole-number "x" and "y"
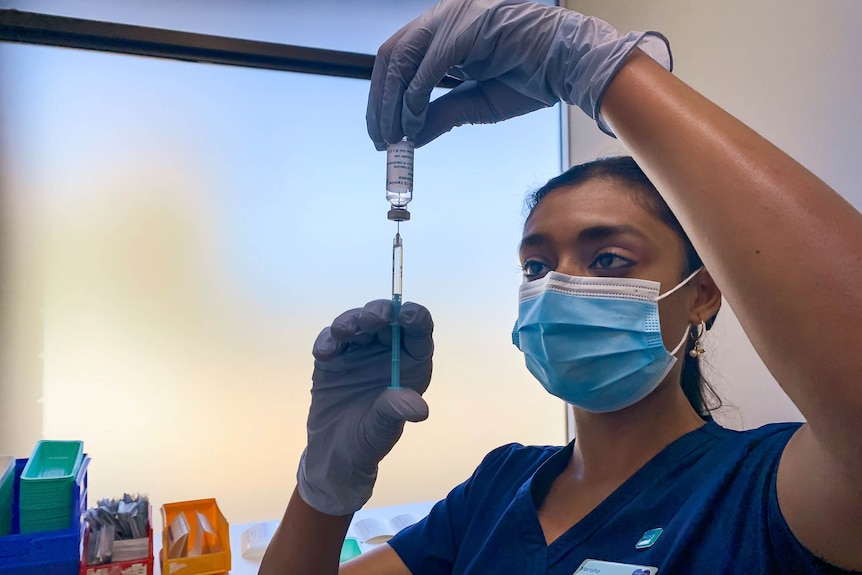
{"x": 780, "y": 244}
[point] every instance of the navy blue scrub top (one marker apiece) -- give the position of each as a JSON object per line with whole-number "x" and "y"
{"x": 712, "y": 492}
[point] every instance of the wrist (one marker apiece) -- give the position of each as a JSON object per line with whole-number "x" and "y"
{"x": 625, "y": 97}
{"x": 333, "y": 489}
{"x": 633, "y": 48}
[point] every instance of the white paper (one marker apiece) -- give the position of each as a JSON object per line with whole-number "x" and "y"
{"x": 376, "y": 530}
{"x": 255, "y": 540}
{"x": 373, "y": 530}
{"x": 206, "y": 540}
{"x": 399, "y": 522}
{"x": 178, "y": 537}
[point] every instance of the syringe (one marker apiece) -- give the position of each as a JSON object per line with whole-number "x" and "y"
{"x": 397, "y": 268}
{"x": 399, "y": 192}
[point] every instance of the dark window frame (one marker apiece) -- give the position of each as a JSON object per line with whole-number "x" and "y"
{"x": 61, "y": 31}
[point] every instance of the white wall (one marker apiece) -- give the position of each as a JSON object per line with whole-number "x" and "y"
{"x": 791, "y": 71}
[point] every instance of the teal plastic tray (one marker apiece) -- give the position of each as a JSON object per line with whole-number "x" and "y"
{"x": 349, "y": 550}
{"x": 7, "y": 484}
{"x": 54, "y": 461}
{"x": 52, "y": 553}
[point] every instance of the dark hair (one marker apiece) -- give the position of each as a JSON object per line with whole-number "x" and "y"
{"x": 698, "y": 391}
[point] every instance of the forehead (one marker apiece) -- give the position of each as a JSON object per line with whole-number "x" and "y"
{"x": 599, "y": 202}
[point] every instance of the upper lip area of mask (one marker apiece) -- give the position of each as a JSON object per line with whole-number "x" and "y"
{"x": 622, "y": 288}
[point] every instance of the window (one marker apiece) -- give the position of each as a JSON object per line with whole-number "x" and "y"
{"x": 176, "y": 235}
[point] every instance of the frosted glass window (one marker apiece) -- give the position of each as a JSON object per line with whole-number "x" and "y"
{"x": 174, "y": 237}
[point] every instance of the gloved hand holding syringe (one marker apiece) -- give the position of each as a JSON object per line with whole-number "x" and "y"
{"x": 399, "y": 192}
{"x": 357, "y": 410}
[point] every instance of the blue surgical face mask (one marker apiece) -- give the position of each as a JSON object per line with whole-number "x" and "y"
{"x": 594, "y": 342}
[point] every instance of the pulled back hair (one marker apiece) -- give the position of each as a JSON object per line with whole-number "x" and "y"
{"x": 697, "y": 390}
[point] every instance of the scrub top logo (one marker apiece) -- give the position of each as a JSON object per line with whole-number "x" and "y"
{"x": 646, "y": 541}
{"x": 641, "y": 572}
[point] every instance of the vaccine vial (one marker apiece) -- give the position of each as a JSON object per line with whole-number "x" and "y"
{"x": 399, "y": 174}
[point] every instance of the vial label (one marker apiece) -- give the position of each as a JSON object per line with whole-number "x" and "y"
{"x": 399, "y": 168}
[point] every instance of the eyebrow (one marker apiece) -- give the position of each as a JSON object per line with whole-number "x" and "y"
{"x": 591, "y": 234}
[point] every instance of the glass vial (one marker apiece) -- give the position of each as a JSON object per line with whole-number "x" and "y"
{"x": 399, "y": 173}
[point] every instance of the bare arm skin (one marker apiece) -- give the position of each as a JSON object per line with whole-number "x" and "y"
{"x": 382, "y": 560}
{"x": 308, "y": 542}
{"x": 786, "y": 251}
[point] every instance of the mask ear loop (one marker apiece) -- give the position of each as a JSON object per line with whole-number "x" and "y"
{"x": 679, "y": 285}
{"x": 681, "y": 342}
{"x": 686, "y": 333}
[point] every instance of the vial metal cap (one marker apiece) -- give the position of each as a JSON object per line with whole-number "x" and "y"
{"x": 398, "y": 215}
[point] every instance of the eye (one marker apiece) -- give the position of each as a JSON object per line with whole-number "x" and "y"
{"x": 534, "y": 269}
{"x": 610, "y": 261}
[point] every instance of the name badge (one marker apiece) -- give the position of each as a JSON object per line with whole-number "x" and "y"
{"x": 592, "y": 566}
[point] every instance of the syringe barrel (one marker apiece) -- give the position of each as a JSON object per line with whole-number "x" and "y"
{"x": 397, "y": 264}
{"x": 399, "y": 173}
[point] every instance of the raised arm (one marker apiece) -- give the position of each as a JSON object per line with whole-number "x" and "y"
{"x": 786, "y": 251}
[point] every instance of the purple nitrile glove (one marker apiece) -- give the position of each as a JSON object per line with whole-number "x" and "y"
{"x": 355, "y": 419}
{"x": 515, "y": 57}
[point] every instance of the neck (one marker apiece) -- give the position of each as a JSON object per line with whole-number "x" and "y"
{"x": 614, "y": 445}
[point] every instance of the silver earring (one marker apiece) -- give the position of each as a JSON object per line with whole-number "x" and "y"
{"x": 698, "y": 349}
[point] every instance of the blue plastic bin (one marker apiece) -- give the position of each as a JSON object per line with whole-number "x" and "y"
{"x": 50, "y": 553}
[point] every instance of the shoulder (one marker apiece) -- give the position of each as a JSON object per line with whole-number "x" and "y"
{"x": 515, "y": 457}
{"x": 748, "y": 456}
{"x": 771, "y": 430}
{"x": 468, "y": 512}
{"x": 504, "y": 469}
{"x": 763, "y": 437}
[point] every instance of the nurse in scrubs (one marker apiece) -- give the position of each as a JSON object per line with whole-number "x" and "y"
{"x": 624, "y": 261}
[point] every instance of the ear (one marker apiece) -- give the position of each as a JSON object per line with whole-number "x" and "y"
{"x": 707, "y": 301}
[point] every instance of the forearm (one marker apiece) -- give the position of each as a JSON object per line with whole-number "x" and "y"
{"x": 784, "y": 247}
{"x": 307, "y": 541}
